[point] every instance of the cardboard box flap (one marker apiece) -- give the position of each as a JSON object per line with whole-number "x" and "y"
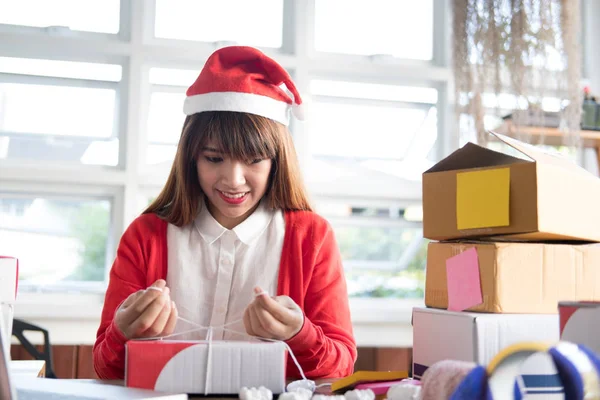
{"x": 474, "y": 156}
{"x": 541, "y": 156}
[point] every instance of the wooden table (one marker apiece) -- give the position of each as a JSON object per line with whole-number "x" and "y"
{"x": 551, "y": 136}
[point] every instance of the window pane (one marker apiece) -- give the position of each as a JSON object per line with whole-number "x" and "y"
{"x": 69, "y": 237}
{"x": 166, "y": 117}
{"x": 369, "y": 131}
{"x": 174, "y": 77}
{"x": 58, "y": 123}
{"x": 158, "y": 154}
{"x": 359, "y": 90}
{"x": 61, "y": 69}
{"x": 383, "y": 262}
{"x": 256, "y": 23}
{"x": 400, "y": 28}
{"x": 89, "y": 15}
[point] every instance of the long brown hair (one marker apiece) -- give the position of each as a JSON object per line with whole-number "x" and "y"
{"x": 240, "y": 136}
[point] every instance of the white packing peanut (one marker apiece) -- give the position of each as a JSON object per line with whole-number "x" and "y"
{"x": 404, "y": 391}
{"x": 262, "y": 393}
{"x": 358, "y": 394}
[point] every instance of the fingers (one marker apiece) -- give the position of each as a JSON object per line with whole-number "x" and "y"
{"x": 272, "y": 327}
{"x": 158, "y": 326}
{"x": 132, "y": 298}
{"x": 142, "y": 300}
{"x": 171, "y": 322}
{"x": 144, "y": 323}
{"x": 279, "y": 311}
{"x": 257, "y": 328}
{"x": 247, "y": 323}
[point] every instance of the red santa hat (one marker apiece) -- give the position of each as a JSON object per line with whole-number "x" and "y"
{"x": 243, "y": 79}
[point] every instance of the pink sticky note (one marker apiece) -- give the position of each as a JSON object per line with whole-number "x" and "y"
{"x": 464, "y": 287}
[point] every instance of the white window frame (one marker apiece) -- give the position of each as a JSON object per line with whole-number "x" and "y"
{"x": 136, "y": 50}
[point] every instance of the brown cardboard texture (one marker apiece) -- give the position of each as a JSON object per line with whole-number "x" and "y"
{"x": 519, "y": 277}
{"x": 542, "y": 197}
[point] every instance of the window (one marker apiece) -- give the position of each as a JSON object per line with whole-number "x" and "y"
{"x": 256, "y": 23}
{"x": 382, "y": 249}
{"x": 375, "y": 27}
{"x": 90, "y": 15}
{"x": 56, "y": 239}
{"x": 58, "y": 111}
{"x": 364, "y": 133}
{"x": 165, "y": 121}
{"x": 165, "y": 114}
{"x": 91, "y": 113}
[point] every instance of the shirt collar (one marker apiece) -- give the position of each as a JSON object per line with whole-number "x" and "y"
{"x": 247, "y": 231}
{"x": 207, "y": 226}
{"x": 254, "y": 225}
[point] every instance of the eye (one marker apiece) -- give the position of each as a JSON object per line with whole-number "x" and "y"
{"x": 213, "y": 160}
{"x": 256, "y": 161}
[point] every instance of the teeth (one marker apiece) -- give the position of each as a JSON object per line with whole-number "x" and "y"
{"x": 234, "y": 196}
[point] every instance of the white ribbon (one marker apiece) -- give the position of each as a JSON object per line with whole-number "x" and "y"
{"x": 304, "y": 383}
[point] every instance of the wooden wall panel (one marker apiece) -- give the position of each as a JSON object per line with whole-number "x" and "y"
{"x": 85, "y": 363}
{"x": 64, "y": 358}
{"x": 394, "y": 359}
{"x": 366, "y": 360}
{"x": 384, "y": 359}
{"x": 77, "y": 362}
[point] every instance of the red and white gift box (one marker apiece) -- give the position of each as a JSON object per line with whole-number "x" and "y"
{"x": 9, "y": 279}
{"x": 580, "y": 323}
{"x": 203, "y": 367}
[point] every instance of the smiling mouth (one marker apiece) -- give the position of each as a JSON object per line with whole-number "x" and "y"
{"x": 234, "y": 196}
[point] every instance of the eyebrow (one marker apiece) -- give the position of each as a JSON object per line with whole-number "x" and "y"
{"x": 212, "y": 149}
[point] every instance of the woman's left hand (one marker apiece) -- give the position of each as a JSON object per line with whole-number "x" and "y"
{"x": 273, "y": 317}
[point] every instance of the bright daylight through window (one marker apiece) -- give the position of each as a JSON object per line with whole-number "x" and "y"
{"x": 90, "y": 121}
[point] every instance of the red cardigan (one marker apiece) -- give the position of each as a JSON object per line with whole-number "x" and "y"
{"x": 310, "y": 272}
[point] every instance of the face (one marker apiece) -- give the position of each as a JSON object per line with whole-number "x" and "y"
{"x": 233, "y": 187}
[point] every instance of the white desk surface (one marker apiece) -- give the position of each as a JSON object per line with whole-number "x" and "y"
{"x": 32, "y": 368}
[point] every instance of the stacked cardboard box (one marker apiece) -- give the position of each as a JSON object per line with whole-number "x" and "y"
{"x": 511, "y": 234}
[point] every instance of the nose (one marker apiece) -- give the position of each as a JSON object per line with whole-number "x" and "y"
{"x": 233, "y": 175}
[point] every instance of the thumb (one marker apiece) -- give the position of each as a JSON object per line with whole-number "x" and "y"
{"x": 258, "y": 291}
{"x": 159, "y": 284}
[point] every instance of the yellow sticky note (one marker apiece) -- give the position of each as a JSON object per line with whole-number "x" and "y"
{"x": 482, "y": 198}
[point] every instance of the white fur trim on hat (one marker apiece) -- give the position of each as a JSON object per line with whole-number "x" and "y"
{"x": 242, "y": 102}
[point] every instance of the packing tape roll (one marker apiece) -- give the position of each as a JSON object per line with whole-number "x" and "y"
{"x": 577, "y": 371}
{"x": 441, "y": 379}
{"x": 505, "y": 367}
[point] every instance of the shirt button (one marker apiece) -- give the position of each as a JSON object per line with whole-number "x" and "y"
{"x": 226, "y": 260}
{"x": 221, "y": 310}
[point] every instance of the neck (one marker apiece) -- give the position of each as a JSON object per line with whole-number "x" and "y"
{"x": 228, "y": 222}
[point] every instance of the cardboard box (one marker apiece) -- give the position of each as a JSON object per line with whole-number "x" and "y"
{"x": 475, "y": 337}
{"x": 9, "y": 274}
{"x": 518, "y": 277}
{"x": 194, "y": 367}
{"x": 478, "y": 192}
{"x": 580, "y": 323}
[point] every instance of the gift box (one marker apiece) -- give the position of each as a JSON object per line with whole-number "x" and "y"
{"x": 205, "y": 367}
{"x": 580, "y": 323}
{"x": 9, "y": 274}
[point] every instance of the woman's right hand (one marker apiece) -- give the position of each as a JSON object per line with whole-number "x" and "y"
{"x": 147, "y": 313}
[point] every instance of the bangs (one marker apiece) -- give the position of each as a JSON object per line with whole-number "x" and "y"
{"x": 242, "y": 136}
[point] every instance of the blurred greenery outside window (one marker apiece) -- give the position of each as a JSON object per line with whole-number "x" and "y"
{"x": 383, "y": 252}
{"x": 56, "y": 240}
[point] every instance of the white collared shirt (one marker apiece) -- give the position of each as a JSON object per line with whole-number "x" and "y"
{"x": 212, "y": 271}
